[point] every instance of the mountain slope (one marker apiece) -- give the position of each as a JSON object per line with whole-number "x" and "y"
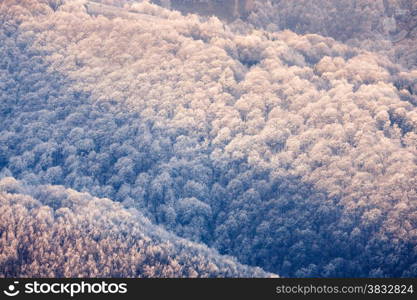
{"x": 292, "y": 152}
{"x": 50, "y": 231}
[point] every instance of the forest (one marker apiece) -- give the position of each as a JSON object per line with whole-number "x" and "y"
{"x": 137, "y": 140}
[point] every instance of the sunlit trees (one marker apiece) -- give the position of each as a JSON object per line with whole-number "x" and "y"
{"x": 293, "y": 152}
{"x": 53, "y": 232}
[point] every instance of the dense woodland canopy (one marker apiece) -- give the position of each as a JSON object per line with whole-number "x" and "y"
{"x": 51, "y": 231}
{"x": 288, "y": 144}
{"x": 387, "y": 26}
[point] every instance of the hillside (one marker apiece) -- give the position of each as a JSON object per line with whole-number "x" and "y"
{"x": 275, "y": 139}
{"x": 57, "y": 232}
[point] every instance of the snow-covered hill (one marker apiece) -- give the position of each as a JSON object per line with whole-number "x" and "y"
{"x": 290, "y": 150}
